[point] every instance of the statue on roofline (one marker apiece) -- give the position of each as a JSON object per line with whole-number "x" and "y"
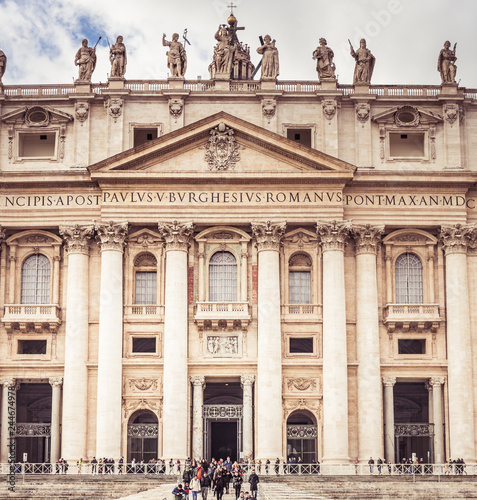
{"x": 3, "y": 64}
{"x": 86, "y": 60}
{"x": 365, "y": 61}
{"x": 446, "y": 63}
{"x": 324, "y": 60}
{"x": 118, "y": 58}
{"x": 270, "y": 66}
{"x": 176, "y": 56}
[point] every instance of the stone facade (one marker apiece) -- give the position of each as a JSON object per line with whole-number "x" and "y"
{"x": 246, "y": 268}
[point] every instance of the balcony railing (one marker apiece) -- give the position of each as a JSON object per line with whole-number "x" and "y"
{"x": 301, "y": 312}
{"x": 224, "y": 315}
{"x": 152, "y": 312}
{"x": 27, "y": 316}
{"x": 418, "y": 315}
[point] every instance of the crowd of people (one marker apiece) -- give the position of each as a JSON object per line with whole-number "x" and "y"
{"x": 219, "y": 477}
{"x": 413, "y": 466}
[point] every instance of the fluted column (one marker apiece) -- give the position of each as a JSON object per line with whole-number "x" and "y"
{"x": 75, "y": 388}
{"x": 244, "y": 274}
{"x": 56, "y": 384}
{"x": 13, "y": 273}
{"x": 111, "y": 238}
{"x": 9, "y": 409}
{"x": 247, "y": 415}
{"x": 389, "y": 453}
{"x": 456, "y": 239}
{"x": 176, "y": 384}
{"x": 269, "y": 343}
{"x": 370, "y": 420}
{"x": 438, "y": 414}
{"x": 198, "y": 383}
{"x": 333, "y": 238}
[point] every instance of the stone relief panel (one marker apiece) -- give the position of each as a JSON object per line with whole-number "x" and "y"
{"x": 302, "y": 385}
{"x": 222, "y": 345}
{"x": 222, "y": 149}
{"x": 143, "y": 384}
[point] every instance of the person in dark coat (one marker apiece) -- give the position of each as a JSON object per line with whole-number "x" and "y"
{"x": 253, "y": 480}
{"x": 205, "y": 484}
{"x": 237, "y": 483}
{"x": 219, "y": 485}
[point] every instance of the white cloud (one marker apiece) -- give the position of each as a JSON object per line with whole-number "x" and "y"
{"x": 41, "y": 38}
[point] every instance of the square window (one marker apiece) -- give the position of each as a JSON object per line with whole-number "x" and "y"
{"x": 144, "y": 345}
{"x": 302, "y": 136}
{"x": 31, "y": 145}
{"x": 32, "y": 347}
{"x": 303, "y": 345}
{"x": 409, "y": 145}
{"x": 411, "y": 346}
{"x": 143, "y": 135}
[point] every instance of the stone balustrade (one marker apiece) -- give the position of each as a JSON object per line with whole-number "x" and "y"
{"x": 19, "y": 316}
{"x": 407, "y": 315}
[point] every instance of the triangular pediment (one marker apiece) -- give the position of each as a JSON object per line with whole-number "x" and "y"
{"x": 36, "y": 116}
{"x": 221, "y": 145}
{"x": 407, "y": 116}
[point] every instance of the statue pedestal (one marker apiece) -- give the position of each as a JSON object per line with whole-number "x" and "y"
{"x": 116, "y": 82}
{"x": 328, "y": 84}
{"x": 82, "y": 87}
{"x": 268, "y": 84}
{"x": 361, "y": 88}
{"x": 449, "y": 88}
{"x": 222, "y": 84}
{"x": 176, "y": 82}
{"x": 1, "y": 88}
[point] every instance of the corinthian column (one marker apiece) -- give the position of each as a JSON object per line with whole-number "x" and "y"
{"x": 176, "y": 385}
{"x": 269, "y": 355}
{"x": 198, "y": 382}
{"x": 456, "y": 239}
{"x": 438, "y": 411}
{"x": 247, "y": 385}
{"x": 75, "y": 386}
{"x": 388, "y": 383}
{"x": 55, "y": 419}
{"x": 370, "y": 420}
{"x": 111, "y": 238}
{"x": 333, "y": 238}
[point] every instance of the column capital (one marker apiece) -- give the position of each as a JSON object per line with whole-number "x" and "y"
{"x": 333, "y": 235}
{"x": 268, "y": 234}
{"x": 177, "y": 235}
{"x": 198, "y": 380}
{"x": 77, "y": 237}
{"x": 458, "y": 238}
{"x": 367, "y": 238}
{"x": 389, "y": 381}
{"x": 111, "y": 235}
{"x": 247, "y": 380}
{"x": 436, "y": 381}
{"x": 56, "y": 382}
{"x": 8, "y": 382}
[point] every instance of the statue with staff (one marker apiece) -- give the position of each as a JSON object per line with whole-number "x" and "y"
{"x": 363, "y": 70}
{"x": 446, "y": 63}
{"x": 86, "y": 60}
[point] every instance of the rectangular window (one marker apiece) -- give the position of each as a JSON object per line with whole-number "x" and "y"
{"x": 37, "y": 145}
{"x": 146, "y": 287}
{"x": 408, "y": 145}
{"x": 299, "y": 287}
{"x": 32, "y": 347}
{"x": 144, "y": 135}
{"x": 302, "y": 136}
{"x": 144, "y": 345}
{"x": 411, "y": 346}
{"x": 301, "y": 345}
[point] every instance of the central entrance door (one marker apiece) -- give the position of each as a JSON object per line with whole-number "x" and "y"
{"x": 224, "y": 440}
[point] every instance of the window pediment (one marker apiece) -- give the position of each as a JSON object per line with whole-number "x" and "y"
{"x": 36, "y": 116}
{"x": 407, "y": 116}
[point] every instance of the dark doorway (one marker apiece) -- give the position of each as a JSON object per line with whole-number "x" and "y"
{"x": 224, "y": 440}
{"x": 142, "y": 436}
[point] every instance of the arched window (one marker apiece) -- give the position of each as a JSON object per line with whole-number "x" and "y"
{"x": 408, "y": 279}
{"x": 146, "y": 279}
{"x": 223, "y": 277}
{"x": 36, "y": 280}
{"x": 299, "y": 279}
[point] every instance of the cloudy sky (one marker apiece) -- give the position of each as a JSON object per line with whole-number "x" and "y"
{"x": 40, "y": 38}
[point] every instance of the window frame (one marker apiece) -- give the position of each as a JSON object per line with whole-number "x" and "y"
{"x": 213, "y": 252}
{"x": 422, "y": 283}
{"x": 407, "y": 131}
{"x": 27, "y": 257}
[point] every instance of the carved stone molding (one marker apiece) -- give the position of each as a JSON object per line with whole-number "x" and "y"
{"x": 451, "y": 112}
{"x": 268, "y": 234}
{"x": 437, "y": 381}
{"x": 458, "y": 238}
{"x": 56, "y": 382}
{"x": 247, "y": 380}
{"x": 175, "y": 107}
{"x": 389, "y": 381}
{"x": 142, "y": 404}
{"x": 2, "y": 234}
{"x": 413, "y": 430}
{"x": 313, "y": 405}
{"x": 111, "y": 235}
{"x": 301, "y": 384}
{"x": 77, "y": 237}
{"x": 176, "y": 235}
{"x": 362, "y": 111}
{"x": 329, "y": 108}
{"x": 333, "y": 235}
{"x": 222, "y": 149}
{"x": 197, "y": 380}
{"x": 269, "y": 107}
{"x": 143, "y": 384}
{"x": 115, "y": 107}
{"x": 81, "y": 111}
{"x": 367, "y": 238}
{"x": 8, "y": 382}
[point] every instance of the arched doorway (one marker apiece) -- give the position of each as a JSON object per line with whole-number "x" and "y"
{"x": 302, "y": 436}
{"x": 142, "y": 436}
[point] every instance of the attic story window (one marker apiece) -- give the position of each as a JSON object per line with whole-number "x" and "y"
{"x": 408, "y": 145}
{"x": 34, "y": 145}
{"x": 302, "y": 136}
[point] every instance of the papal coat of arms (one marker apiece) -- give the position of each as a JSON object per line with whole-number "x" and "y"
{"x": 222, "y": 149}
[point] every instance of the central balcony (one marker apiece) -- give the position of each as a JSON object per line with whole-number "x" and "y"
{"x": 144, "y": 313}
{"x": 300, "y": 313}
{"x": 406, "y": 316}
{"x": 222, "y": 315}
{"x": 25, "y": 317}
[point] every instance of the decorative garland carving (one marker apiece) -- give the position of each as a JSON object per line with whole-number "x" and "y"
{"x": 143, "y": 384}
{"x": 81, "y": 111}
{"x": 301, "y": 384}
{"x": 362, "y": 111}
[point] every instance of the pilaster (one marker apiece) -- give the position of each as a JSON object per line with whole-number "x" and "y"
{"x": 198, "y": 383}
{"x": 438, "y": 413}
{"x": 247, "y": 386}
{"x": 389, "y": 452}
{"x": 56, "y": 384}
